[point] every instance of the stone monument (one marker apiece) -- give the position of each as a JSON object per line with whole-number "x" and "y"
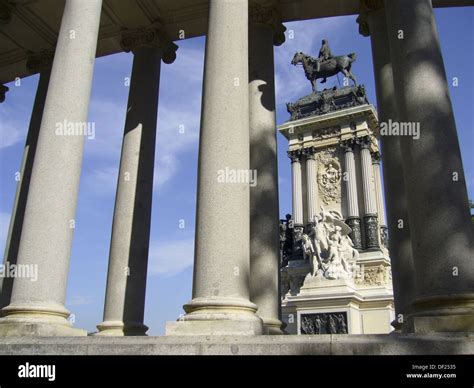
{"x": 335, "y": 265}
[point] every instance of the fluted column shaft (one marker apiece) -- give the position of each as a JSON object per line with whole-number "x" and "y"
{"x": 353, "y": 218}
{"x": 221, "y": 291}
{"x": 438, "y": 209}
{"x": 264, "y": 205}
{"x": 37, "y": 307}
{"x": 370, "y": 203}
{"x": 296, "y": 187}
{"x": 311, "y": 183}
{"x": 378, "y": 188}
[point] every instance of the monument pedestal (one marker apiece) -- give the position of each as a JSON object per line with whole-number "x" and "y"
{"x": 341, "y": 284}
{"x": 359, "y": 305}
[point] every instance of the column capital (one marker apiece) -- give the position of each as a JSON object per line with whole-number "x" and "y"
{"x": 268, "y": 15}
{"x": 347, "y": 145}
{"x": 309, "y": 152}
{"x": 375, "y": 157}
{"x": 3, "y": 90}
{"x": 366, "y": 7}
{"x": 150, "y": 36}
{"x": 39, "y": 61}
{"x": 295, "y": 155}
{"x": 364, "y": 142}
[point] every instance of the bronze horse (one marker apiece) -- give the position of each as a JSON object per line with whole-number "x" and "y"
{"x": 328, "y": 68}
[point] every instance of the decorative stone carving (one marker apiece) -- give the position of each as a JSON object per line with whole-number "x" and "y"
{"x": 356, "y": 234}
{"x": 375, "y": 157}
{"x": 328, "y": 100}
{"x": 364, "y": 142}
{"x": 286, "y": 240}
{"x": 291, "y": 241}
{"x": 153, "y": 36}
{"x": 329, "y": 248}
{"x": 324, "y": 323}
{"x": 269, "y": 15}
{"x": 371, "y": 232}
{"x": 309, "y": 152}
{"x": 295, "y": 155}
{"x": 40, "y": 61}
{"x": 326, "y": 133}
{"x": 374, "y": 276}
{"x": 329, "y": 176}
{"x": 384, "y": 236}
{"x": 347, "y": 145}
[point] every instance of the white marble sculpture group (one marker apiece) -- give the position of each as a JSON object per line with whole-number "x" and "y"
{"x": 329, "y": 248}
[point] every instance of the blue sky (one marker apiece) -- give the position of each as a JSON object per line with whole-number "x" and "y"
{"x": 171, "y": 250}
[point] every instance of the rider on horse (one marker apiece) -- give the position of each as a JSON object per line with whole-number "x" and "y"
{"x": 324, "y": 55}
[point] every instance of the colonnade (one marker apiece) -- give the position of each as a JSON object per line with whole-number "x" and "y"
{"x": 235, "y": 285}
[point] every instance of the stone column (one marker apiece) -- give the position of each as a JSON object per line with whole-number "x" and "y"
{"x": 311, "y": 182}
{"x": 264, "y": 205}
{"x": 296, "y": 187}
{"x": 126, "y": 281}
{"x": 437, "y": 200}
{"x": 372, "y": 22}
{"x": 379, "y": 196}
{"x": 36, "y": 63}
{"x": 37, "y": 307}
{"x": 220, "y": 303}
{"x": 353, "y": 218}
{"x": 370, "y": 204}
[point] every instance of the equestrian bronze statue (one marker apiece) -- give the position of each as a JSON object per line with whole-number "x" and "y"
{"x": 325, "y": 65}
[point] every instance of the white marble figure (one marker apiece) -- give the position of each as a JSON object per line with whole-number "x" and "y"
{"x": 311, "y": 254}
{"x": 329, "y": 248}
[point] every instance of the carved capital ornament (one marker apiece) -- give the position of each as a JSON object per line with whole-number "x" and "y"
{"x": 152, "y": 36}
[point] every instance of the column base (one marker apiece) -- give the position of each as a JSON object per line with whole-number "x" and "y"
{"x": 217, "y": 316}
{"x": 453, "y": 313}
{"x": 272, "y": 326}
{"x": 37, "y": 321}
{"x": 121, "y": 329}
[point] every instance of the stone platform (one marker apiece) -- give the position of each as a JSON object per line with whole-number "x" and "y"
{"x": 382, "y": 344}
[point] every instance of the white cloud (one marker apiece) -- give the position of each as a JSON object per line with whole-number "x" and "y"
{"x": 171, "y": 256}
{"x": 10, "y": 133}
